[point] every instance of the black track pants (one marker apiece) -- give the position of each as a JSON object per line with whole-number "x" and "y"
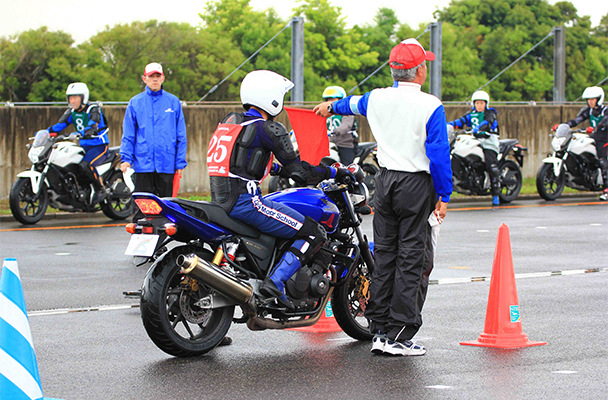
{"x": 403, "y": 253}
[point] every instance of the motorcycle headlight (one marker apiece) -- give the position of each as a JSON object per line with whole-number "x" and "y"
{"x": 360, "y": 195}
{"x": 557, "y": 143}
{"x": 34, "y": 154}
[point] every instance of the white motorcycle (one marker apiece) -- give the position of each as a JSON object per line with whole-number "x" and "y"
{"x": 56, "y": 180}
{"x": 573, "y": 163}
{"x": 469, "y": 172}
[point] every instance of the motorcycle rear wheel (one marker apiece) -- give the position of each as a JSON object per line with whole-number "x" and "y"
{"x": 23, "y": 206}
{"x": 349, "y": 302}
{"x": 549, "y": 186}
{"x": 169, "y": 313}
{"x": 511, "y": 180}
{"x": 118, "y": 206}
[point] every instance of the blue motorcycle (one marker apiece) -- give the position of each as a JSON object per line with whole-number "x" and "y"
{"x": 205, "y": 264}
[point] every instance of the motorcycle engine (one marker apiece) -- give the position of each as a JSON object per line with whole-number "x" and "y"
{"x": 306, "y": 287}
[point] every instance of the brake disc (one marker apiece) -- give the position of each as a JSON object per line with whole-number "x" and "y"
{"x": 191, "y": 312}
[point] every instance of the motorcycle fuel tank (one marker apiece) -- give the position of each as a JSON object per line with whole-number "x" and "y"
{"x": 467, "y": 146}
{"x": 312, "y": 203}
{"x": 582, "y": 143}
{"x": 66, "y": 153}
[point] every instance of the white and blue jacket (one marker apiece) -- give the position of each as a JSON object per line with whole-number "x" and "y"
{"x": 154, "y": 133}
{"x": 410, "y": 129}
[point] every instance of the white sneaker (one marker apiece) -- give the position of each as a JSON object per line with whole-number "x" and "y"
{"x": 407, "y": 348}
{"x": 604, "y": 195}
{"x": 378, "y": 343}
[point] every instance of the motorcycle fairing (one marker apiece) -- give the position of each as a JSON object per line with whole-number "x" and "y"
{"x": 205, "y": 230}
{"x": 312, "y": 203}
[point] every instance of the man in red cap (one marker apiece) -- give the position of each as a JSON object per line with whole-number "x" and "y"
{"x": 414, "y": 181}
{"x": 154, "y": 137}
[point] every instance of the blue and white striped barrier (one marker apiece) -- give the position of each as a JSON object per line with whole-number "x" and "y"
{"x": 19, "y": 378}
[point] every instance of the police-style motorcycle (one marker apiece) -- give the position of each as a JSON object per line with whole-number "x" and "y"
{"x": 469, "y": 172}
{"x": 190, "y": 292}
{"x": 56, "y": 180}
{"x": 573, "y": 163}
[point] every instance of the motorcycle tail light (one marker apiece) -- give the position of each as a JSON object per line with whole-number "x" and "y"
{"x": 170, "y": 229}
{"x": 131, "y": 228}
{"x": 147, "y": 229}
{"x": 148, "y": 206}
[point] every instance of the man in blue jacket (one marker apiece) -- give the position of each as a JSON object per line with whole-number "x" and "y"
{"x": 414, "y": 181}
{"x": 154, "y": 137}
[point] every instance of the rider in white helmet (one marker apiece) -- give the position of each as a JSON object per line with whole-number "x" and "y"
{"x": 89, "y": 122}
{"x": 342, "y": 129}
{"x": 238, "y": 159}
{"x": 482, "y": 120}
{"x": 596, "y": 112}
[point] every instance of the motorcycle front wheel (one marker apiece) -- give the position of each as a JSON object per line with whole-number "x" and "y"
{"x": 170, "y": 314}
{"x": 349, "y": 302}
{"x": 120, "y": 203}
{"x": 511, "y": 180}
{"x": 549, "y": 186}
{"x": 25, "y": 206}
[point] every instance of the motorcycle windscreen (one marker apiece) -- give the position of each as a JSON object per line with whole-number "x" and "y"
{"x": 312, "y": 203}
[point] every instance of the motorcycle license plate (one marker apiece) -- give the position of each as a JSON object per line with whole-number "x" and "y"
{"x": 142, "y": 245}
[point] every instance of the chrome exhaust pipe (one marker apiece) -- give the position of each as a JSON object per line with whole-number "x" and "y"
{"x": 211, "y": 275}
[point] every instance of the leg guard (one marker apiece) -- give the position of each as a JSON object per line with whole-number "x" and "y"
{"x": 493, "y": 170}
{"x": 314, "y": 235}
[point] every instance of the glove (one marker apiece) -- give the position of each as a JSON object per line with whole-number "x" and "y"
{"x": 475, "y": 130}
{"x": 344, "y": 176}
{"x": 52, "y": 134}
{"x": 480, "y": 135}
{"x": 589, "y": 129}
{"x": 275, "y": 169}
{"x": 554, "y": 127}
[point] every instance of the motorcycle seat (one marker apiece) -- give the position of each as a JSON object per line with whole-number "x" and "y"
{"x": 215, "y": 214}
{"x": 504, "y": 143}
{"x": 112, "y": 153}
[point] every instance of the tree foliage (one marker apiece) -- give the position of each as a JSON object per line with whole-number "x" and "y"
{"x": 480, "y": 38}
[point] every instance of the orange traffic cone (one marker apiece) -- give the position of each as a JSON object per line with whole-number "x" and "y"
{"x": 503, "y": 323}
{"x": 327, "y": 323}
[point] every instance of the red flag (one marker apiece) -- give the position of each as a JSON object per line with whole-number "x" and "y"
{"x": 311, "y": 133}
{"x": 176, "y": 179}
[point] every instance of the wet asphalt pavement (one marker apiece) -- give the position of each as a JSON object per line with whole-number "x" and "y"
{"x": 106, "y": 354}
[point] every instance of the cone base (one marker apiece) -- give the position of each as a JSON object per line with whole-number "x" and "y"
{"x": 503, "y": 341}
{"x": 325, "y": 325}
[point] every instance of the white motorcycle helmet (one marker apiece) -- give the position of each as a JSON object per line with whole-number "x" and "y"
{"x": 78, "y": 89}
{"x": 594, "y": 92}
{"x": 265, "y": 90}
{"x": 480, "y": 95}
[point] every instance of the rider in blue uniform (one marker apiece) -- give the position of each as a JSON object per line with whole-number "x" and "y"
{"x": 482, "y": 120}
{"x": 88, "y": 120}
{"x": 238, "y": 159}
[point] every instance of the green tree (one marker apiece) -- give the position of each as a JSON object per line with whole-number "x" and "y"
{"x": 37, "y": 65}
{"x": 499, "y": 32}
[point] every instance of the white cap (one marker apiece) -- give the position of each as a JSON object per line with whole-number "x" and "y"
{"x": 153, "y": 68}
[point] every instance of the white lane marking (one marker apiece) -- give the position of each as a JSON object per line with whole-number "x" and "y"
{"x": 60, "y": 311}
{"x": 441, "y": 387}
{"x": 595, "y": 224}
{"x": 541, "y": 227}
{"x": 565, "y": 372}
{"x": 62, "y": 254}
{"x": 448, "y": 281}
{"x": 341, "y": 339}
{"x": 483, "y": 230}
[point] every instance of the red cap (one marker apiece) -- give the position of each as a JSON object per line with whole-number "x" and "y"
{"x": 153, "y": 68}
{"x": 410, "y": 54}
